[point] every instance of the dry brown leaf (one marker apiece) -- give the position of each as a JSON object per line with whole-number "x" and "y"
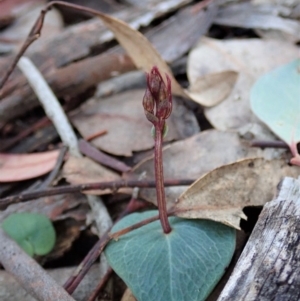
{"x": 195, "y": 156}
{"x": 213, "y": 88}
{"x": 128, "y": 296}
{"x": 221, "y": 194}
{"x": 84, "y": 170}
{"x": 250, "y": 58}
{"x": 128, "y": 130}
{"x": 18, "y": 167}
{"x": 143, "y": 54}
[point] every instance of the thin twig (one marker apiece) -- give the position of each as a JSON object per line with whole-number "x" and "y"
{"x": 114, "y": 185}
{"x": 104, "y": 159}
{"x": 271, "y": 144}
{"x": 101, "y": 284}
{"x": 95, "y": 135}
{"x": 48, "y": 181}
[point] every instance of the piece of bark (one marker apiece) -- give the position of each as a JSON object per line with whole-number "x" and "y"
{"x": 55, "y": 59}
{"x": 269, "y": 266}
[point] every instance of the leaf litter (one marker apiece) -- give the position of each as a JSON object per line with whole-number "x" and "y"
{"x": 196, "y": 156}
{"x": 122, "y": 116}
{"x": 210, "y": 86}
{"x": 250, "y": 58}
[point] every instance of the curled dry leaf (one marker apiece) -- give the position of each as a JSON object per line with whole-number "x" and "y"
{"x": 122, "y": 116}
{"x": 18, "y": 167}
{"x": 221, "y": 194}
{"x": 195, "y": 156}
{"x": 144, "y": 55}
{"x": 250, "y": 58}
{"x": 213, "y": 88}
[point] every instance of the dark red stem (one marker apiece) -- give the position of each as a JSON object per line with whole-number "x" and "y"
{"x": 159, "y": 176}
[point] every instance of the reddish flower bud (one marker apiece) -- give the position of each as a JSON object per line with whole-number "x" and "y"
{"x": 157, "y": 95}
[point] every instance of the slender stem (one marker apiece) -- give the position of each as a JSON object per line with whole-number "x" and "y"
{"x": 159, "y": 177}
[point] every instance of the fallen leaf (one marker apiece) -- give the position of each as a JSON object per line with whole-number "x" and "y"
{"x": 194, "y": 157}
{"x": 213, "y": 88}
{"x": 18, "y": 167}
{"x": 143, "y": 54}
{"x": 264, "y": 19}
{"x": 221, "y": 194}
{"x": 128, "y": 129}
{"x": 250, "y": 58}
{"x": 84, "y": 170}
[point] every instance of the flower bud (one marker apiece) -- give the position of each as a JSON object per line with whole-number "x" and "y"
{"x": 158, "y": 95}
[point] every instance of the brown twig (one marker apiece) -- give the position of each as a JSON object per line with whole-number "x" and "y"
{"x": 272, "y": 144}
{"x": 48, "y": 181}
{"x": 115, "y": 185}
{"x": 86, "y": 264}
{"x": 106, "y": 160}
{"x": 101, "y": 284}
{"x": 95, "y": 135}
{"x": 36, "y": 126}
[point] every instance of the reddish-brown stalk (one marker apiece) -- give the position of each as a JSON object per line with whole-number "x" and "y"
{"x": 158, "y": 97}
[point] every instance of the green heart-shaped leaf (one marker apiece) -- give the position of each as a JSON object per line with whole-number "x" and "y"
{"x": 275, "y": 99}
{"x": 185, "y": 264}
{"x": 33, "y": 232}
